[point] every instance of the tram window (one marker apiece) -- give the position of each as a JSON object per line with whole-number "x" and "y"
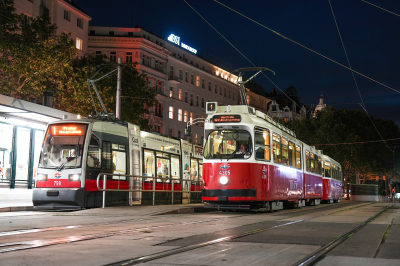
{"x": 163, "y": 170}
{"x": 119, "y": 164}
{"x": 106, "y": 157}
{"x": 277, "y": 148}
{"x": 94, "y": 152}
{"x": 262, "y": 144}
{"x": 285, "y": 152}
{"x": 194, "y": 169}
{"x": 175, "y": 167}
{"x": 228, "y": 144}
{"x": 327, "y": 169}
{"x": 319, "y": 164}
{"x": 308, "y": 161}
{"x": 292, "y": 155}
{"x": 312, "y": 160}
{"x": 298, "y": 157}
{"x": 148, "y": 169}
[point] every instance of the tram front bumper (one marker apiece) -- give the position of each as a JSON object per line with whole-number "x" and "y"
{"x": 53, "y": 198}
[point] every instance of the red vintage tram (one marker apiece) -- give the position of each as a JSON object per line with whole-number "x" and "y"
{"x": 252, "y": 162}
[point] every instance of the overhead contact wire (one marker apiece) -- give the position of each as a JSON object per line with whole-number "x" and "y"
{"x": 381, "y": 8}
{"x": 251, "y": 63}
{"x": 277, "y": 33}
{"x": 354, "y": 78}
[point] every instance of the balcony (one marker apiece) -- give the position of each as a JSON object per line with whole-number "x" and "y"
{"x": 174, "y": 79}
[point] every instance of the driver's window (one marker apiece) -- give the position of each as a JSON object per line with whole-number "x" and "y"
{"x": 94, "y": 153}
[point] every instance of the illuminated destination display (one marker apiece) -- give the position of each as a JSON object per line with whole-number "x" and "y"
{"x": 177, "y": 40}
{"x": 226, "y": 118}
{"x": 68, "y": 130}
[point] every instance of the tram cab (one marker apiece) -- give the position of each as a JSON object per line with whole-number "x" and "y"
{"x": 74, "y": 152}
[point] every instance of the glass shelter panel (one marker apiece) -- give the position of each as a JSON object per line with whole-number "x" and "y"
{"x": 6, "y": 140}
{"x": 23, "y": 141}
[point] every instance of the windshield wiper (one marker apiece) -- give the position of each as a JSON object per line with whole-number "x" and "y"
{"x": 61, "y": 166}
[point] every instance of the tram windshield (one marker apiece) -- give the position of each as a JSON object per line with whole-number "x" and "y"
{"x": 228, "y": 144}
{"x": 63, "y": 146}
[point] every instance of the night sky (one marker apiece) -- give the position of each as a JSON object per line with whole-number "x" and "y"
{"x": 371, "y": 37}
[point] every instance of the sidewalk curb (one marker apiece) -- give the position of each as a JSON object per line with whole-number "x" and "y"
{"x": 16, "y": 209}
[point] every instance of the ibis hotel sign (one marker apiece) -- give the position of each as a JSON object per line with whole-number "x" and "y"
{"x": 177, "y": 40}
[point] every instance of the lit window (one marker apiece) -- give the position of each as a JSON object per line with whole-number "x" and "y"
{"x": 179, "y": 114}
{"x": 180, "y": 95}
{"x": 185, "y": 116}
{"x": 79, "y": 43}
{"x": 191, "y": 117}
{"x": 197, "y": 81}
{"x": 171, "y": 112}
{"x": 171, "y": 92}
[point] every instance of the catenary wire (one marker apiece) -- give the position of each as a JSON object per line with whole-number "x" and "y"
{"x": 253, "y": 65}
{"x": 277, "y": 33}
{"x": 381, "y": 8}
{"x": 351, "y": 143}
{"x": 354, "y": 78}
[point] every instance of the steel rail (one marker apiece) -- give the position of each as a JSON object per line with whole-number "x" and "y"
{"x": 215, "y": 241}
{"x": 321, "y": 252}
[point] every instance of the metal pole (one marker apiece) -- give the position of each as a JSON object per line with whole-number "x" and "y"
{"x": 154, "y": 188}
{"x": 104, "y": 191}
{"x": 172, "y": 184}
{"x": 118, "y": 107}
{"x": 130, "y": 188}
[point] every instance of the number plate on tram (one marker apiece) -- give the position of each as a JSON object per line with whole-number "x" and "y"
{"x": 226, "y": 118}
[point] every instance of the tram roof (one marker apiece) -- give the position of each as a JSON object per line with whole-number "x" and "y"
{"x": 251, "y": 115}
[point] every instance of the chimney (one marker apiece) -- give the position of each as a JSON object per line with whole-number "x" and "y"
{"x": 48, "y": 99}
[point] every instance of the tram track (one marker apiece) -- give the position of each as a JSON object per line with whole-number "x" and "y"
{"x": 183, "y": 249}
{"x": 23, "y": 245}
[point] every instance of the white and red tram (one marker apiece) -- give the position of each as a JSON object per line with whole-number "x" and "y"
{"x": 75, "y": 152}
{"x": 252, "y": 162}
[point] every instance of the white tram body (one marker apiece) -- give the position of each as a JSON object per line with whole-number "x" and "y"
{"x": 75, "y": 152}
{"x": 253, "y": 162}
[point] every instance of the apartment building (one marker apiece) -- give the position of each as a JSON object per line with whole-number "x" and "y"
{"x": 183, "y": 80}
{"x": 66, "y": 14}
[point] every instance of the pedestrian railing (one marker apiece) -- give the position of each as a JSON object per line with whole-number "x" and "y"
{"x": 137, "y": 184}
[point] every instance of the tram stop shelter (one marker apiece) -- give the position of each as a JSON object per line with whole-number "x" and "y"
{"x": 22, "y": 126}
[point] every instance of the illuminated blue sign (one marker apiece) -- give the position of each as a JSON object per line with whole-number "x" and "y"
{"x": 177, "y": 40}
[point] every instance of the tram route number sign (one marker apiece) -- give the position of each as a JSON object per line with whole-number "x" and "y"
{"x": 226, "y": 118}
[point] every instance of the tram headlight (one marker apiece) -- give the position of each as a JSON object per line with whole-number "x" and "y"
{"x": 74, "y": 177}
{"x": 41, "y": 177}
{"x": 223, "y": 180}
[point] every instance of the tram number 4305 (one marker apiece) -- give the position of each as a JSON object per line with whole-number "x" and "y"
{"x": 225, "y": 172}
{"x": 57, "y": 183}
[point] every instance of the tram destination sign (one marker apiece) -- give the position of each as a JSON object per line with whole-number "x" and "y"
{"x": 226, "y": 118}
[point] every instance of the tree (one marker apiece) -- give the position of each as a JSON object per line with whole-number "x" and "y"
{"x": 34, "y": 59}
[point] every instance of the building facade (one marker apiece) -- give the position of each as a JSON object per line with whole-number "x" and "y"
{"x": 183, "y": 80}
{"x": 66, "y": 14}
{"x": 286, "y": 107}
